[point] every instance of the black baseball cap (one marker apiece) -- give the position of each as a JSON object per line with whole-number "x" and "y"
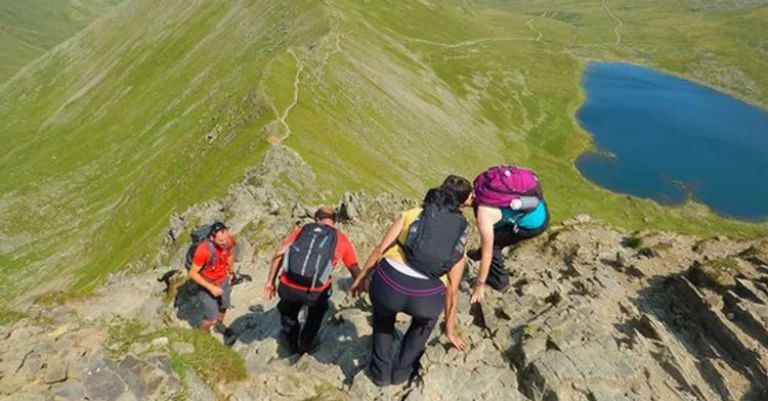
{"x": 217, "y": 226}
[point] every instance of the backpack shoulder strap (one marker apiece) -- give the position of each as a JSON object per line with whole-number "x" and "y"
{"x": 335, "y": 232}
{"x": 406, "y": 229}
{"x": 212, "y": 250}
{"x": 301, "y": 230}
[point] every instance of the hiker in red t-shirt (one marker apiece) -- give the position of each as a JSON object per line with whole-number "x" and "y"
{"x": 213, "y": 278}
{"x": 307, "y": 258}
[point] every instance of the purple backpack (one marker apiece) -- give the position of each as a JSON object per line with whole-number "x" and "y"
{"x": 500, "y": 185}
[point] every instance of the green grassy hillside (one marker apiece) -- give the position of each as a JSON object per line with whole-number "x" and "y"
{"x": 29, "y": 28}
{"x": 161, "y": 105}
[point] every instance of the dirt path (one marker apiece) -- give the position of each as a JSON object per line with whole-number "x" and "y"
{"x": 530, "y": 25}
{"x": 296, "y": 89}
{"x": 619, "y": 23}
{"x": 337, "y": 34}
{"x": 464, "y": 43}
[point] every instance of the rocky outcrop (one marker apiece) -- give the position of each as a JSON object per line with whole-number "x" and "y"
{"x": 593, "y": 314}
{"x": 72, "y": 362}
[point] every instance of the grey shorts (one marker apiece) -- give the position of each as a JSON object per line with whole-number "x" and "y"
{"x": 212, "y": 306}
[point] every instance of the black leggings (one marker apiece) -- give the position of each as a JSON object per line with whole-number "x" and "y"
{"x": 393, "y": 292}
{"x": 503, "y": 237}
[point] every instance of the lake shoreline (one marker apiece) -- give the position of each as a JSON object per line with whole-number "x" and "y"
{"x": 656, "y": 181}
{"x": 726, "y": 91}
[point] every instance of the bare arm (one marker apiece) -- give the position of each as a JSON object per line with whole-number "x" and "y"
{"x": 231, "y": 265}
{"x": 194, "y": 275}
{"x": 389, "y": 239}
{"x": 486, "y": 218}
{"x": 486, "y": 249}
{"x": 350, "y": 259}
{"x": 234, "y": 253}
{"x": 274, "y": 265}
{"x": 452, "y": 304}
{"x": 354, "y": 270}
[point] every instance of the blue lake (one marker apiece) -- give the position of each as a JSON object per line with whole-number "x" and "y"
{"x": 665, "y": 138}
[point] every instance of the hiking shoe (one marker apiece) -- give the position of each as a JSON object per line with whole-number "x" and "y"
{"x": 309, "y": 349}
{"x": 286, "y": 349}
{"x": 501, "y": 288}
{"x": 256, "y": 308}
{"x": 230, "y": 338}
{"x": 220, "y": 328}
{"x": 375, "y": 381}
{"x": 412, "y": 378}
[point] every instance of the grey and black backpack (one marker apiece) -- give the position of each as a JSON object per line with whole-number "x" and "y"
{"x": 308, "y": 260}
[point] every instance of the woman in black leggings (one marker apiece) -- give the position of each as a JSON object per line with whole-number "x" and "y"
{"x": 397, "y": 286}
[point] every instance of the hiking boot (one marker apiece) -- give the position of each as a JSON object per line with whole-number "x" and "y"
{"x": 375, "y": 381}
{"x": 413, "y": 378}
{"x": 220, "y": 328}
{"x": 286, "y": 349}
{"x": 230, "y": 338}
{"x": 501, "y": 288}
{"x": 256, "y": 308}
{"x": 309, "y": 349}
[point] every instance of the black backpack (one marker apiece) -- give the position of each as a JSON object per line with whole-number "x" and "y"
{"x": 308, "y": 260}
{"x": 433, "y": 243}
{"x": 199, "y": 235}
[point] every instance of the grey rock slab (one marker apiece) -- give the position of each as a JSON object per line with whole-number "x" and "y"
{"x": 535, "y": 289}
{"x": 196, "y": 389}
{"x": 70, "y": 391}
{"x": 183, "y": 348}
{"x": 56, "y": 372}
{"x": 140, "y": 348}
{"x": 434, "y": 354}
{"x": 29, "y": 366}
{"x": 102, "y": 382}
{"x": 458, "y": 382}
{"x": 529, "y": 349}
{"x": 610, "y": 285}
{"x": 761, "y": 285}
{"x": 363, "y": 388}
{"x": 748, "y": 290}
{"x": 33, "y": 395}
{"x": 589, "y": 363}
{"x": 484, "y": 353}
{"x": 160, "y": 342}
{"x": 748, "y": 316}
{"x": 291, "y": 387}
{"x": 154, "y": 376}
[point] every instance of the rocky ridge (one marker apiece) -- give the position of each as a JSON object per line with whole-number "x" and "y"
{"x": 594, "y": 314}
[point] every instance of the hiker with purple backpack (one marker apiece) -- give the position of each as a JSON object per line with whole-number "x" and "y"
{"x": 509, "y": 207}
